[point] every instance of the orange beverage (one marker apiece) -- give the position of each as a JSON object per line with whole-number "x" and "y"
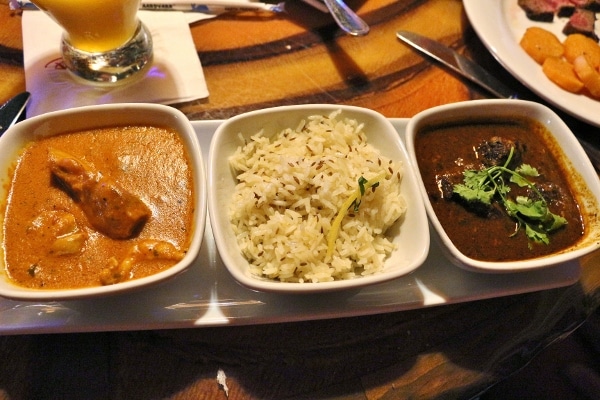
{"x": 94, "y": 25}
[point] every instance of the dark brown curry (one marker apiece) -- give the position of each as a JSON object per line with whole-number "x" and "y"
{"x": 487, "y": 233}
{"x": 98, "y": 207}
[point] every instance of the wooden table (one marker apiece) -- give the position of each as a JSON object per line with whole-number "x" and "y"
{"x": 453, "y": 351}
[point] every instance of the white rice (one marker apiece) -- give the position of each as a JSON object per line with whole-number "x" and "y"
{"x": 289, "y": 192}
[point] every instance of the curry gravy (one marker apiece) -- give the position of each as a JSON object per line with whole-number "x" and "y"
{"x": 448, "y": 150}
{"x": 148, "y": 162}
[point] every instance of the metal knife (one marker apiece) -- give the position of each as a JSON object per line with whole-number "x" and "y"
{"x": 457, "y": 62}
{"x": 12, "y": 110}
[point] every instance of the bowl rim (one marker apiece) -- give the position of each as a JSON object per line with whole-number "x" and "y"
{"x": 494, "y": 108}
{"x": 10, "y": 290}
{"x": 272, "y": 286}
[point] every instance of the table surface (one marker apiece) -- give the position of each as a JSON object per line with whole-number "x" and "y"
{"x": 254, "y": 61}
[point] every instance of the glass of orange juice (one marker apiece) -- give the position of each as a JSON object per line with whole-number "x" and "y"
{"x": 103, "y": 41}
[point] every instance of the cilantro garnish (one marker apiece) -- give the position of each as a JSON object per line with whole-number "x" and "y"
{"x": 354, "y": 200}
{"x": 362, "y": 183}
{"x": 530, "y": 212}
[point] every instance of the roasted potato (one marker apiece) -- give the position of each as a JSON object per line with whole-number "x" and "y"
{"x": 576, "y": 45}
{"x": 541, "y": 44}
{"x": 588, "y": 75}
{"x": 561, "y": 72}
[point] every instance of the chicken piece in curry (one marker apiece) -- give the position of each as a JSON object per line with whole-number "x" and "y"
{"x": 109, "y": 208}
{"x": 98, "y": 207}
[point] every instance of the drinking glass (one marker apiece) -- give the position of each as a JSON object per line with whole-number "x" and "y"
{"x": 103, "y": 41}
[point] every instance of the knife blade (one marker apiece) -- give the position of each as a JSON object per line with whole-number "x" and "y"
{"x": 12, "y": 110}
{"x": 457, "y": 63}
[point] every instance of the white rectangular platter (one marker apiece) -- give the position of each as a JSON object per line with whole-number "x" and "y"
{"x": 206, "y": 295}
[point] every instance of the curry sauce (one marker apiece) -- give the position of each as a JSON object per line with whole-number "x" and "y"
{"x": 444, "y": 152}
{"x": 50, "y": 242}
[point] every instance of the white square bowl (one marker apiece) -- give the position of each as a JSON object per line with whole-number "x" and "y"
{"x": 412, "y": 240}
{"x": 90, "y": 117}
{"x": 586, "y": 185}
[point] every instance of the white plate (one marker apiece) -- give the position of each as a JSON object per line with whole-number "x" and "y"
{"x": 500, "y": 24}
{"x": 207, "y": 295}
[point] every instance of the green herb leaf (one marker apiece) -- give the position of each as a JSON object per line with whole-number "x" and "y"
{"x": 522, "y": 171}
{"x": 527, "y": 170}
{"x": 361, "y": 185}
{"x": 488, "y": 185}
{"x": 531, "y": 209}
{"x": 475, "y": 194}
{"x": 536, "y": 236}
{"x": 556, "y": 222}
{"x": 361, "y": 189}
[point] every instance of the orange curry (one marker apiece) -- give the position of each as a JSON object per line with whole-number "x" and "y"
{"x": 98, "y": 207}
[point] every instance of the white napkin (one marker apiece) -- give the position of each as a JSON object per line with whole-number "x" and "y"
{"x": 175, "y": 76}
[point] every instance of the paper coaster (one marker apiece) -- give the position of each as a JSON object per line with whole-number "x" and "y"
{"x": 175, "y": 75}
